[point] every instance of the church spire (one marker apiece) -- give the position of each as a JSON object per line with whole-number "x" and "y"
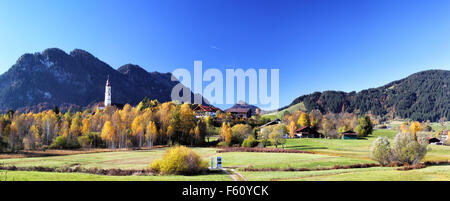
{"x": 107, "y": 93}
{"x": 107, "y": 82}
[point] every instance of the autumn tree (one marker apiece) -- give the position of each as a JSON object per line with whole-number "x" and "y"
{"x": 315, "y": 117}
{"x": 75, "y": 126}
{"x": 151, "y": 133}
{"x": 240, "y": 132}
{"x": 225, "y": 133}
{"x": 414, "y": 128}
{"x": 303, "y": 120}
{"x": 292, "y": 127}
{"x": 138, "y": 129}
{"x": 109, "y": 134}
{"x": 364, "y": 127}
{"x": 278, "y": 135}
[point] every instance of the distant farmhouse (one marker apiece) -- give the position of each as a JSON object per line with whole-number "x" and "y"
{"x": 240, "y": 112}
{"x": 274, "y": 122}
{"x": 204, "y": 111}
{"x": 307, "y": 132}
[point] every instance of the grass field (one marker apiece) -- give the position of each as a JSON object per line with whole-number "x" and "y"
{"x": 123, "y": 159}
{"x": 330, "y": 152}
{"x": 433, "y": 173}
{"x": 275, "y": 115}
{"x": 357, "y": 148}
{"x": 51, "y": 176}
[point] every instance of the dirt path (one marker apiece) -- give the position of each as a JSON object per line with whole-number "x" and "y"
{"x": 234, "y": 175}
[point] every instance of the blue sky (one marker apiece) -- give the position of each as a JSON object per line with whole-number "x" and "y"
{"x": 317, "y": 45}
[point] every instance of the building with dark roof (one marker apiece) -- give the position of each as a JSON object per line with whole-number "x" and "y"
{"x": 204, "y": 111}
{"x": 307, "y": 132}
{"x": 349, "y": 135}
{"x": 240, "y": 112}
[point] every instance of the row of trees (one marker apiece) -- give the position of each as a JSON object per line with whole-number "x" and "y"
{"x": 245, "y": 135}
{"x": 150, "y": 123}
{"x": 331, "y": 125}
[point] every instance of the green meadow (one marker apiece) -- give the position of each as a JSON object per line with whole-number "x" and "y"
{"x": 328, "y": 153}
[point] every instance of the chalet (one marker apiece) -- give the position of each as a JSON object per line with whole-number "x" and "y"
{"x": 307, "y": 132}
{"x": 204, "y": 111}
{"x": 240, "y": 112}
{"x": 349, "y": 135}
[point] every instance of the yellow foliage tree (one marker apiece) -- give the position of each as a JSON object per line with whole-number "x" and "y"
{"x": 109, "y": 133}
{"x": 86, "y": 126}
{"x": 404, "y": 128}
{"x": 225, "y": 133}
{"x": 303, "y": 120}
{"x": 138, "y": 128}
{"x": 292, "y": 127}
{"x": 151, "y": 133}
{"x": 414, "y": 128}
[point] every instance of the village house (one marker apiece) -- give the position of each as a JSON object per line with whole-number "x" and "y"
{"x": 307, "y": 132}
{"x": 240, "y": 112}
{"x": 274, "y": 122}
{"x": 204, "y": 111}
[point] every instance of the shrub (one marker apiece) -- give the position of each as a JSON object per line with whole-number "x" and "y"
{"x": 59, "y": 143}
{"x": 381, "y": 150}
{"x": 407, "y": 150}
{"x": 223, "y": 144}
{"x": 84, "y": 141}
{"x": 250, "y": 142}
{"x": 62, "y": 142}
{"x": 240, "y": 132}
{"x": 179, "y": 160}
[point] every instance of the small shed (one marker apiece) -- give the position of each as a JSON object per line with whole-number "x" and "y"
{"x": 349, "y": 135}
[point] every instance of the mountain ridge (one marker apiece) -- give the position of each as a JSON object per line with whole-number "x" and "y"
{"x": 54, "y": 77}
{"x": 420, "y": 96}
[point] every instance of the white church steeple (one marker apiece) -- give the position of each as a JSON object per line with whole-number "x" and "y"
{"x": 107, "y": 93}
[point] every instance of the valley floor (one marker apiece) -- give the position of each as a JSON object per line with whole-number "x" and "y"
{"x": 327, "y": 153}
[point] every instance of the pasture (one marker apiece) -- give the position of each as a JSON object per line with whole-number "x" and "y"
{"x": 328, "y": 153}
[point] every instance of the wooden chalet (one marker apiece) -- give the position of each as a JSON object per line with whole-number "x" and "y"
{"x": 204, "y": 111}
{"x": 307, "y": 132}
{"x": 240, "y": 112}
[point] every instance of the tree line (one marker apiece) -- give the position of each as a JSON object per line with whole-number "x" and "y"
{"x": 149, "y": 123}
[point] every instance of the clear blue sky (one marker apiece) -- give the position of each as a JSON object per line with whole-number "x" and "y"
{"x": 317, "y": 45}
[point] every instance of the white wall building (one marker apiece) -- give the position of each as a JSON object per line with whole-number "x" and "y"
{"x": 107, "y": 93}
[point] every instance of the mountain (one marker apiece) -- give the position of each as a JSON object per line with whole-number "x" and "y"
{"x": 242, "y": 104}
{"x": 421, "y": 96}
{"x": 53, "y": 77}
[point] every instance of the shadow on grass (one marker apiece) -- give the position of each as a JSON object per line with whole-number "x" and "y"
{"x": 304, "y": 147}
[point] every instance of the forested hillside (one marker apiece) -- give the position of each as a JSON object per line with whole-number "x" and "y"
{"x": 421, "y": 96}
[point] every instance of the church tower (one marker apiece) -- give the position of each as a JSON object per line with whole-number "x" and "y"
{"x": 107, "y": 93}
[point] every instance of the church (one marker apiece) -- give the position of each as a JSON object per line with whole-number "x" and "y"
{"x": 107, "y": 101}
{"x": 107, "y": 93}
